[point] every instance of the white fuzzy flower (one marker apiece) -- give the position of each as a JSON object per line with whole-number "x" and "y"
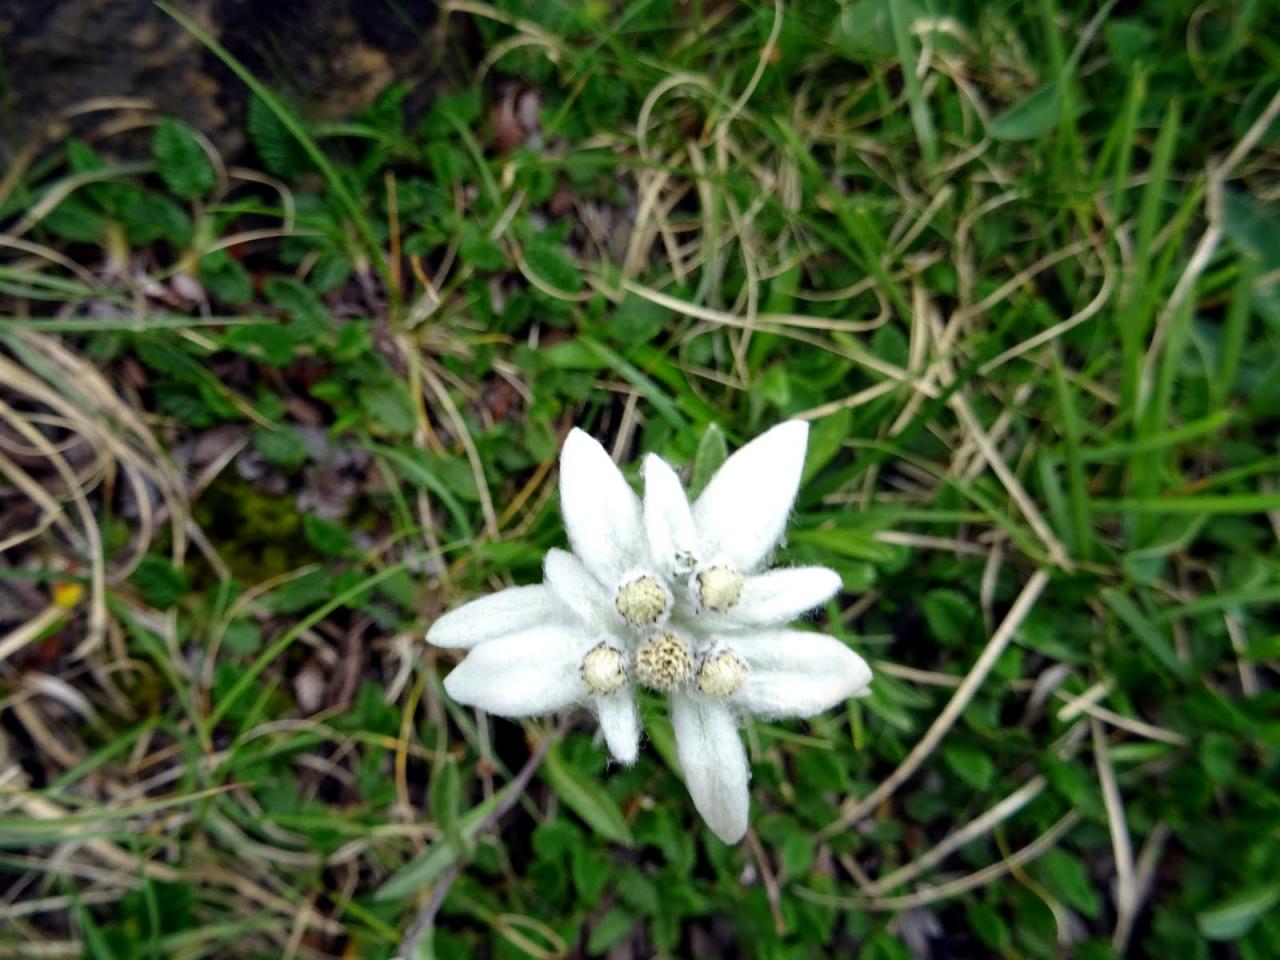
{"x": 574, "y": 640}
{"x": 733, "y": 612}
{"x": 670, "y": 596}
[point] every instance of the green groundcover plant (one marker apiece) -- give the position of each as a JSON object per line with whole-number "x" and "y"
{"x": 985, "y": 298}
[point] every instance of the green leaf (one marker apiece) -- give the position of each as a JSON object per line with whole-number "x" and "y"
{"x": 446, "y": 801}
{"x": 826, "y": 437}
{"x": 855, "y": 544}
{"x": 389, "y": 404}
{"x": 302, "y": 304}
{"x": 477, "y": 250}
{"x": 610, "y": 930}
{"x": 148, "y": 217}
{"x": 1232, "y": 918}
{"x": 279, "y": 149}
{"x": 1219, "y": 754}
{"x": 426, "y": 867}
{"x": 864, "y": 29}
{"x": 1033, "y": 117}
{"x": 75, "y": 220}
{"x": 329, "y": 538}
{"x": 1066, "y": 877}
{"x": 242, "y": 637}
{"x": 180, "y": 160}
{"x": 1156, "y": 642}
{"x": 971, "y": 764}
{"x": 637, "y": 320}
{"x": 281, "y": 446}
{"x": 554, "y": 266}
{"x": 951, "y": 615}
{"x": 991, "y": 929}
{"x": 586, "y": 798}
{"x": 274, "y": 344}
{"x": 591, "y": 870}
{"x": 225, "y": 278}
{"x": 160, "y": 582}
{"x": 1252, "y": 226}
{"x": 712, "y": 452}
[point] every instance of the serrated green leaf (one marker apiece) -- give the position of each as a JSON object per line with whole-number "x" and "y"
{"x": 554, "y": 266}
{"x": 477, "y": 250}
{"x": 302, "y": 304}
{"x": 180, "y": 160}
{"x": 160, "y": 582}
{"x": 225, "y": 278}
{"x": 279, "y": 149}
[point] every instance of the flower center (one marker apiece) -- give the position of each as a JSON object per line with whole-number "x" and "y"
{"x": 719, "y": 588}
{"x": 664, "y": 662}
{"x": 722, "y": 676}
{"x": 603, "y": 670}
{"x": 642, "y": 601}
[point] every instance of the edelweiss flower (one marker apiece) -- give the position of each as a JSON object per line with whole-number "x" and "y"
{"x": 546, "y": 648}
{"x": 669, "y": 596}
{"x": 730, "y": 620}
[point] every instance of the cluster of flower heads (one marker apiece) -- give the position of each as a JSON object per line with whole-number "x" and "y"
{"x": 670, "y": 596}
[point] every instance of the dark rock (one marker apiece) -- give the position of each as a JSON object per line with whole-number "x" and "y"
{"x": 62, "y": 62}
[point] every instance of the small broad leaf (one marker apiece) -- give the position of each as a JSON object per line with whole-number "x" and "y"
{"x": 971, "y": 764}
{"x": 180, "y": 160}
{"x": 281, "y": 446}
{"x": 951, "y": 615}
{"x": 329, "y": 538}
{"x": 586, "y": 798}
{"x": 610, "y": 930}
{"x": 1234, "y": 917}
{"x": 1030, "y": 118}
{"x": 863, "y": 31}
{"x": 826, "y": 438}
{"x": 390, "y": 405}
{"x": 1066, "y": 877}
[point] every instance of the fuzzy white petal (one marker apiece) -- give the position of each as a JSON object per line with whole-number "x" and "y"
{"x": 620, "y": 724}
{"x": 797, "y": 674}
{"x": 567, "y": 578}
{"x": 601, "y": 512}
{"x": 668, "y": 518}
{"x": 742, "y": 513}
{"x": 487, "y": 618}
{"x": 714, "y": 763}
{"x": 528, "y": 673}
{"x": 777, "y": 597}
